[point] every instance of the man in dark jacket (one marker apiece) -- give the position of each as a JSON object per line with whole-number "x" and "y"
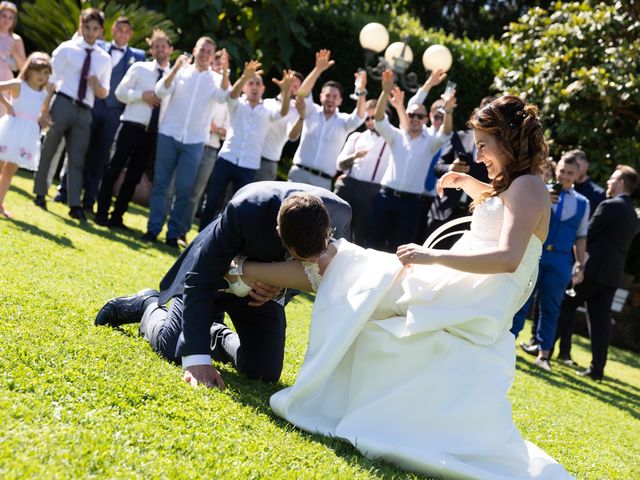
{"x": 611, "y": 230}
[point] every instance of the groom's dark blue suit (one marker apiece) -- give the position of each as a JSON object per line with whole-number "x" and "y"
{"x": 246, "y": 227}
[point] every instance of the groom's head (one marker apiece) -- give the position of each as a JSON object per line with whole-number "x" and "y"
{"x": 304, "y": 225}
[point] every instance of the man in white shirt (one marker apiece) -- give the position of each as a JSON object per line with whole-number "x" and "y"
{"x": 324, "y": 127}
{"x": 182, "y": 133}
{"x": 278, "y": 134}
{"x": 217, "y": 133}
{"x": 239, "y": 158}
{"x": 398, "y": 204}
{"x": 81, "y": 72}
{"x": 364, "y": 160}
{"x": 135, "y": 143}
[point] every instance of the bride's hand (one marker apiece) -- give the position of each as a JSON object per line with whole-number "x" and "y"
{"x": 451, "y": 180}
{"x": 413, "y": 253}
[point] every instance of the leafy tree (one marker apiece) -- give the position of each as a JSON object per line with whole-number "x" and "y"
{"x": 579, "y": 63}
{"x": 45, "y": 27}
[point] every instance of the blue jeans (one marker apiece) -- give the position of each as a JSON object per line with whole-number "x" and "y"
{"x": 224, "y": 173}
{"x": 184, "y": 159}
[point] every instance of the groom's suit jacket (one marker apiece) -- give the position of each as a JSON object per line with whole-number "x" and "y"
{"x": 246, "y": 227}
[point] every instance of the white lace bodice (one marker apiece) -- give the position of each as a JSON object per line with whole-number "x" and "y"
{"x": 487, "y": 217}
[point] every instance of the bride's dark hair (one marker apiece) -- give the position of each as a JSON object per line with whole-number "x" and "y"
{"x": 516, "y": 127}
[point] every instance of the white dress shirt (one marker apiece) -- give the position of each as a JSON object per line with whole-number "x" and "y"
{"x": 371, "y": 167}
{"x": 411, "y": 158}
{"x": 249, "y": 127}
{"x": 187, "y": 118}
{"x": 116, "y": 55}
{"x": 278, "y": 133}
{"x": 67, "y": 61}
{"x": 322, "y": 138}
{"x": 221, "y": 118}
{"x": 140, "y": 78}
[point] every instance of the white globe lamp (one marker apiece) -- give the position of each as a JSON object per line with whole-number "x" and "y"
{"x": 399, "y": 55}
{"x": 374, "y": 37}
{"x": 437, "y": 57}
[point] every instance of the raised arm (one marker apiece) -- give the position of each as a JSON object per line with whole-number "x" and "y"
{"x": 526, "y": 203}
{"x": 296, "y": 129}
{"x": 471, "y": 186}
{"x": 387, "y": 85}
{"x": 361, "y": 92}
{"x": 436, "y": 78}
{"x": 396, "y": 99}
{"x": 163, "y": 87}
{"x": 285, "y": 91}
{"x": 323, "y": 62}
{"x": 251, "y": 69}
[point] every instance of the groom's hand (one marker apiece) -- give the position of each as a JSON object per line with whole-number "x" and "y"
{"x": 262, "y": 293}
{"x": 206, "y": 375}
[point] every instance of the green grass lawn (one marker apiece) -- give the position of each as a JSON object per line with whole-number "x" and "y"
{"x": 79, "y": 401}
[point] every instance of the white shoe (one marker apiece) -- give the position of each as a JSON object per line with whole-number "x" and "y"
{"x": 543, "y": 363}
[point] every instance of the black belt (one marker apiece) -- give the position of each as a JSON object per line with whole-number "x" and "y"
{"x": 319, "y": 173}
{"x": 401, "y": 194}
{"x": 77, "y": 103}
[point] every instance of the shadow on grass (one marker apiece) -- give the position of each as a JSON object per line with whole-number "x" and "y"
{"x": 620, "y": 396}
{"x": 256, "y": 395}
{"x": 37, "y": 231}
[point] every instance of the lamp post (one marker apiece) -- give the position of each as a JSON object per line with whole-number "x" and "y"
{"x": 374, "y": 38}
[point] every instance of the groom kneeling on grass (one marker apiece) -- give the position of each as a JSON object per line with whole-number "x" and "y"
{"x": 264, "y": 221}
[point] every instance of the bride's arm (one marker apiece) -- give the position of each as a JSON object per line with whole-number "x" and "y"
{"x": 526, "y": 202}
{"x": 471, "y": 186}
{"x": 285, "y": 274}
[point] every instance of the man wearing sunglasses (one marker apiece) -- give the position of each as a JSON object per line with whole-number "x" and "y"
{"x": 398, "y": 205}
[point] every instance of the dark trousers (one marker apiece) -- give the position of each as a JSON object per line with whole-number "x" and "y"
{"x": 73, "y": 123}
{"x": 135, "y": 148}
{"x": 224, "y": 174}
{"x": 599, "y": 299}
{"x": 257, "y": 349}
{"x": 395, "y": 220}
{"x": 359, "y": 195}
{"x": 103, "y": 129}
{"x": 423, "y": 220}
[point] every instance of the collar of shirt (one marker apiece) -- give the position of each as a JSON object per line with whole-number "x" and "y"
{"x": 155, "y": 66}
{"x": 84, "y": 45}
{"x": 119, "y": 48}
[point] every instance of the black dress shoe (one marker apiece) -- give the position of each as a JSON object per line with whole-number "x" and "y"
{"x": 121, "y": 310}
{"x": 148, "y": 237}
{"x": 77, "y": 213}
{"x": 101, "y": 220}
{"x": 116, "y": 223}
{"x": 589, "y": 373}
{"x": 40, "y": 202}
{"x": 530, "y": 349}
{"x": 172, "y": 242}
{"x": 60, "y": 198}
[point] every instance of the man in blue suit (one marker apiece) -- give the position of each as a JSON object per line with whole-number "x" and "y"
{"x": 264, "y": 221}
{"x": 106, "y": 113}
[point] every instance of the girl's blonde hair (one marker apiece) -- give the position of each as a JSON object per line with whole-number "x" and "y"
{"x": 35, "y": 61}
{"x": 12, "y": 7}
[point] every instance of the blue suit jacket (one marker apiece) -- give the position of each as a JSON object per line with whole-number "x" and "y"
{"x": 131, "y": 55}
{"x": 246, "y": 227}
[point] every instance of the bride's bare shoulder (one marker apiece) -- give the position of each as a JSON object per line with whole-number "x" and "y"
{"x": 527, "y": 190}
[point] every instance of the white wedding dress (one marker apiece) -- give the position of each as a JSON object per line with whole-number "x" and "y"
{"x": 413, "y": 365}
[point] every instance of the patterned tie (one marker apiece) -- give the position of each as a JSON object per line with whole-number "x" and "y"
{"x": 155, "y": 113}
{"x": 82, "y": 87}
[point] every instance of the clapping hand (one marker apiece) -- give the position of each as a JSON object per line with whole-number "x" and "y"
{"x": 286, "y": 81}
{"x": 436, "y": 78}
{"x": 251, "y": 69}
{"x": 387, "y": 80}
{"x": 396, "y": 99}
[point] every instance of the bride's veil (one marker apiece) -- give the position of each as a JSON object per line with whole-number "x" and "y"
{"x": 439, "y": 234}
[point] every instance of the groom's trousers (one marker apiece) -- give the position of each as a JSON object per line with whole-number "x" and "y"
{"x": 256, "y": 348}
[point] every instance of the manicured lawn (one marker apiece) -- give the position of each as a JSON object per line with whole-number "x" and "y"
{"x": 78, "y": 401}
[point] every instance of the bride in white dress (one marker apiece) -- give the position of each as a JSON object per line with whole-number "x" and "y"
{"x": 410, "y": 357}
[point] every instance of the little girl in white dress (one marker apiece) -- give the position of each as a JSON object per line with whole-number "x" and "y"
{"x": 26, "y": 113}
